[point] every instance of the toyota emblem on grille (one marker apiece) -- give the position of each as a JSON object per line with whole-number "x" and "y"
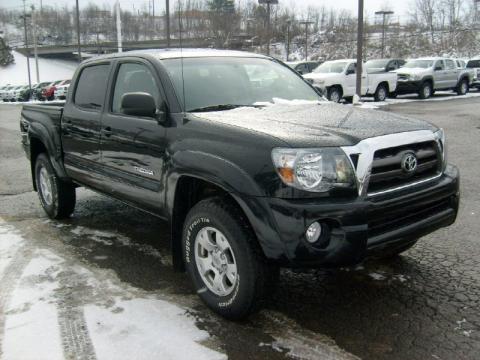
{"x": 409, "y": 163}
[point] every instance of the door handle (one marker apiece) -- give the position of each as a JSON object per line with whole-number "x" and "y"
{"x": 107, "y": 131}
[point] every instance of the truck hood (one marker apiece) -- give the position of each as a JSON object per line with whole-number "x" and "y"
{"x": 321, "y": 76}
{"x": 316, "y": 124}
{"x": 412, "y": 71}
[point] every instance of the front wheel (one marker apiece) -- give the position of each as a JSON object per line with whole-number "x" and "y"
{"x": 56, "y": 196}
{"x": 381, "y": 93}
{"x": 224, "y": 260}
{"x": 425, "y": 90}
{"x": 462, "y": 88}
{"x": 334, "y": 94}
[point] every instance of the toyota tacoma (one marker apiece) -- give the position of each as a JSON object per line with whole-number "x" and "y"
{"x": 250, "y": 166}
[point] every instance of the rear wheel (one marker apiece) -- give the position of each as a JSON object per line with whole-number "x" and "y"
{"x": 56, "y": 196}
{"x": 334, "y": 94}
{"x": 381, "y": 93}
{"x": 224, "y": 261}
{"x": 426, "y": 90}
{"x": 462, "y": 87}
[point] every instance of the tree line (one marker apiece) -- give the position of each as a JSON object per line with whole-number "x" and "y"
{"x": 432, "y": 27}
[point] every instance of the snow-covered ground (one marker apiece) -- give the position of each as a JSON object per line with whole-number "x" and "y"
{"x": 49, "y": 69}
{"x": 45, "y": 317}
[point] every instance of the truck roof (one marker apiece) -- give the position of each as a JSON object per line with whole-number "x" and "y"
{"x": 179, "y": 53}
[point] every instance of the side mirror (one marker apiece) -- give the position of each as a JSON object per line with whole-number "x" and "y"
{"x": 138, "y": 104}
{"x": 391, "y": 68}
{"x": 438, "y": 68}
{"x": 350, "y": 71}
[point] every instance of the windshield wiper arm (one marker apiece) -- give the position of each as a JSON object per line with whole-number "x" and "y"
{"x": 220, "y": 107}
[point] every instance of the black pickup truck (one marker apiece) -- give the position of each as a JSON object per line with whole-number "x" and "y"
{"x": 249, "y": 165}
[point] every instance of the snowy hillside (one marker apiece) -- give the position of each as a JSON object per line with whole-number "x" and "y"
{"x": 50, "y": 70}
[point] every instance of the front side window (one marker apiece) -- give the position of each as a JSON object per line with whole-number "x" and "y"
{"x": 133, "y": 77}
{"x": 439, "y": 65}
{"x": 91, "y": 87}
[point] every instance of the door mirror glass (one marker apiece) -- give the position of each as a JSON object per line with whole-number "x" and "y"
{"x": 138, "y": 104}
{"x": 438, "y": 68}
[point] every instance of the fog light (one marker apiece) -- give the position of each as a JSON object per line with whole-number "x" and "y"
{"x": 313, "y": 232}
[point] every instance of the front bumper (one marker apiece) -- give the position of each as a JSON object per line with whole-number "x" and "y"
{"x": 358, "y": 227}
{"x": 408, "y": 87}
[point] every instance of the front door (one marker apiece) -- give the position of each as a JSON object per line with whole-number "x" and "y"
{"x": 132, "y": 147}
{"x": 440, "y": 75}
{"x": 81, "y": 125}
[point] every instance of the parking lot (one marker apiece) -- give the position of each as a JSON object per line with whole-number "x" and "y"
{"x": 100, "y": 284}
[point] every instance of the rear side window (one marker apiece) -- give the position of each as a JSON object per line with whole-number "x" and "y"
{"x": 91, "y": 87}
{"x": 133, "y": 77}
{"x": 450, "y": 64}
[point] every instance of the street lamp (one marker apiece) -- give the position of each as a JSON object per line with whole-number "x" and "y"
{"x": 289, "y": 23}
{"x": 384, "y": 15}
{"x": 24, "y": 17}
{"x": 306, "y": 23}
{"x": 269, "y": 3}
{"x": 358, "y": 84}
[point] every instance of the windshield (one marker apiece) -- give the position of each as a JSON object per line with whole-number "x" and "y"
{"x": 424, "y": 64}
{"x": 214, "y": 81}
{"x": 376, "y": 64}
{"x": 473, "y": 64}
{"x": 331, "y": 67}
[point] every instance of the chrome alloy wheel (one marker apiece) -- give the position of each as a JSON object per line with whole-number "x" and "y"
{"x": 46, "y": 186}
{"x": 215, "y": 261}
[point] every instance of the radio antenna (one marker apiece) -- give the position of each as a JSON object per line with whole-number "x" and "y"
{"x": 181, "y": 55}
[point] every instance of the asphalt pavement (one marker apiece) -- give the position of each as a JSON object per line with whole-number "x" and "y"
{"x": 422, "y": 305}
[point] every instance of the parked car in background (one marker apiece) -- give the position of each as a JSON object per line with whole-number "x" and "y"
{"x": 303, "y": 67}
{"x": 474, "y": 64}
{"x": 38, "y": 91}
{"x": 376, "y": 66}
{"x": 3, "y": 92}
{"x": 12, "y": 93}
{"x": 462, "y": 65}
{"x": 20, "y": 92}
{"x": 426, "y": 75}
{"x": 337, "y": 80}
{"x": 62, "y": 90}
{"x": 48, "y": 92}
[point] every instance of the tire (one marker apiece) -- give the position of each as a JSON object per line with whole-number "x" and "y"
{"x": 462, "y": 87}
{"x": 381, "y": 93}
{"x": 426, "y": 90}
{"x": 334, "y": 94}
{"x": 56, "y": 196}
{"x": 217, "y": 236}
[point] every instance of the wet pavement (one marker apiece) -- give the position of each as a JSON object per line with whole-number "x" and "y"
{"x": 422, "y": 305}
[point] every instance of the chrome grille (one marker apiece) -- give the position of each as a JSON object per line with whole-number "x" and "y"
{"x": 387, "y": 171}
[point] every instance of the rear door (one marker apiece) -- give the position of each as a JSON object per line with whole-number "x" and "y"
{"x": 81, "y": 124}
{"x": 133, "y": 148}
{"x": 452, "y": 73}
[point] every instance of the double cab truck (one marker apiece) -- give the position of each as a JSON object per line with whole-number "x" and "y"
{"x": 337, "y": 80}
{"x": 424, "y": 76}
{"x": 474, "y": 66}
{"x": 252, "y": 169}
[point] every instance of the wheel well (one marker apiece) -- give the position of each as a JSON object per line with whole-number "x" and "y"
{"x": 36, "y": 148}
{"x": 384, "y": 83}
{"x": 189, "y": 191}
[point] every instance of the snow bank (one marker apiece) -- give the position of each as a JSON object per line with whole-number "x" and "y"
{"x": 50, "y": 70}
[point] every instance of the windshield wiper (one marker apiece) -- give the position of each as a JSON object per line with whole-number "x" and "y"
{"x": 221, "y": 107}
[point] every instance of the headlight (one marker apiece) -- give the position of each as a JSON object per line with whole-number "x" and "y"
{"x": 442, "y": 141}
{"x": 315, "y": 170}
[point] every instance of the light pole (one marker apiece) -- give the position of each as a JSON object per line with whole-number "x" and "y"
{"x": 35, "y": 50}
{"x": 358, "y": 87}
{"x": 78, "y": 33}
{"x": 384, "y": 16}
{"x": 306, "y": 23}
{"x": 24, "y": 17}
{"x": 167, "y": 18}
{"x": 289, "y": 23}
{"x": 269, "y": 3}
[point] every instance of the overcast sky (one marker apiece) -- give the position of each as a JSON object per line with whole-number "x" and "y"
{"x": 400, "y": 7}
